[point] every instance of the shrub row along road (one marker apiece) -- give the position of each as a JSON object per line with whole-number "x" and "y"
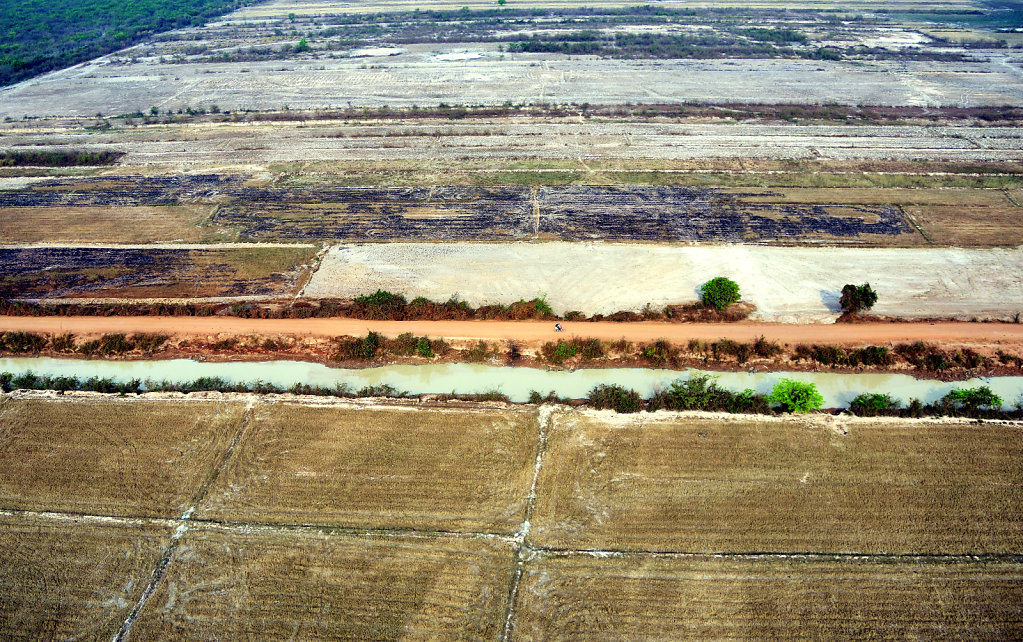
{"x": 535, "y": 331}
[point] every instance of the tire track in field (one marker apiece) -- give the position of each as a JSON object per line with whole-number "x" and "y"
{"x": 522, "y": 552}
{"x": 183, "y": 525}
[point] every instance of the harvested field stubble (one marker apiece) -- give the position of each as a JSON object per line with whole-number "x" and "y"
{"x": 646, "y": 597}
{"x": 130, "y": 459}
{"x": 694, "y": 485}
{"x": 275, "y": 584}
{"x": 72, "y": 579}
{"x": 381, "y": 468}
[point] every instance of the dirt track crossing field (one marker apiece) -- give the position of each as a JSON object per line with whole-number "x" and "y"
{"x": 598, "y": 553}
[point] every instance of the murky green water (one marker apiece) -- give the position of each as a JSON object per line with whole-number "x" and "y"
{"x": 838, "y": 389}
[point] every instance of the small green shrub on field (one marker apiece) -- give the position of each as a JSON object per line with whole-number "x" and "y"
{"x": 874, "y": 405}
{"x": 19, "y": 342}
{"x": 115, "y": 344}
{"x": 614, "y": 397}
{"x": 795, "y": 396}
{"x": 478, "y": 352}
{"x": 720, "y": 292}
{"x": 354, "y": 348}
{"x": 63, "y": 342}
{"x": 701, "y": 392}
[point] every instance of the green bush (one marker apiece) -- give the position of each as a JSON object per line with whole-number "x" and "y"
{"x": 795, "y": 396}
{"x": 381, "y": 298}
{"x": 974, "y": 398}
{"x": 614, "y": 397}
{"x": 701, "y": 392}
{"x": 720, "y": 292}
{"x": 19, "y": 342}
{"x": 874, "y": 405}
{"x": 353, "y": 348}
{"x": 556, "y": 353}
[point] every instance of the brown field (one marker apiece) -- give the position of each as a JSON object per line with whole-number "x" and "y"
{"x": 140, "y": 224}
{"x": 320, "y": 508}
{"x": 278, "y": 584}
{"x": 653, "y": 484}
{"x": 699, "y": 597}
{"x": 129, "y": 459}
{"x": 968, "y": 226}
{"x": 72, "y": 579}
{"x": 384, "y": 468}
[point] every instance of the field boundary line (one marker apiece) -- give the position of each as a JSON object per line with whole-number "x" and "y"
{"x": 545, "y": 420}
{"x": 1008, "y": 195}
{"x": 912, "y": 221}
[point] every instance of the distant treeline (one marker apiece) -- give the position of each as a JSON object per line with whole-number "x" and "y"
{"x": 68, "y": 158}
{"x": 41, "y": 35}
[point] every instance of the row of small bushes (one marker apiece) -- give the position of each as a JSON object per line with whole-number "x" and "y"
{"x": 108, "y": 344}
{"x": 663, "y": 353}
{"x": 701, "y": 392}
{"x": 379, "y": 306}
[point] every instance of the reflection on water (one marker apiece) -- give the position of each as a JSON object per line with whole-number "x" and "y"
{"x": 838, "y": 389}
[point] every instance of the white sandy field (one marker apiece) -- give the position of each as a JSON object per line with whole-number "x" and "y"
{"x": 787, "y": 284}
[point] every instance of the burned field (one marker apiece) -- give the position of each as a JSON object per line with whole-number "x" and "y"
{"x": 152, "y": 272}
{"x": 585, "y": 212}
{"x": 475, "y": 213}
{"x": 499, "y": 523}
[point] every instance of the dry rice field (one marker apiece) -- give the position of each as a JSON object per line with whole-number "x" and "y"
{"x": 761, "y": 598}
{"x": 376, "y": 521}
{"x": 745, "y": 486}
{"x": 379, "y": 468}
{"x": 73, "y": 578}
{"x": 275, "y": 584}
{"x": 107, "y": 458}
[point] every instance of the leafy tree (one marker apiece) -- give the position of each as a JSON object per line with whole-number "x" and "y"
{"x": 720, "y": 292}
{"x": 856, "y": 298}
{"x": 795, "y": 396}
{"x": 974, "y": 398}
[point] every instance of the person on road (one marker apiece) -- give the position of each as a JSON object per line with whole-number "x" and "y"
{"x": 557, "y": 327}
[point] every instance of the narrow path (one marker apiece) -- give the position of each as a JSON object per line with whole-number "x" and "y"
{"x": 534, "y": 331}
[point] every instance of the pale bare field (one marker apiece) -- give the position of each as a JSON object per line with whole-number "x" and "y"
{"x": 108, "y": 458}
{"x": 644, "y": 597}
{"x": 496, "y": 142}
{"x": 281, "y": 8}
{"x": 276, "y": 584}
{"x": 72, "y": 579}
{"x": 380, "y": 468}
{"x": 417, "y": 77}
{"x": 787, "y": 284}
{"x": 661, "y": 484}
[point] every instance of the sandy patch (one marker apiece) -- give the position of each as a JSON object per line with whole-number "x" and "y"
{"x": 787, "y": 284}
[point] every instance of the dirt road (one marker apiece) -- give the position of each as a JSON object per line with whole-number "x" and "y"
{"x": 530, "y": 332}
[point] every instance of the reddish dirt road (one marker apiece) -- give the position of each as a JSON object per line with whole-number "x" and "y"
{"x": 530, "y": 332}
